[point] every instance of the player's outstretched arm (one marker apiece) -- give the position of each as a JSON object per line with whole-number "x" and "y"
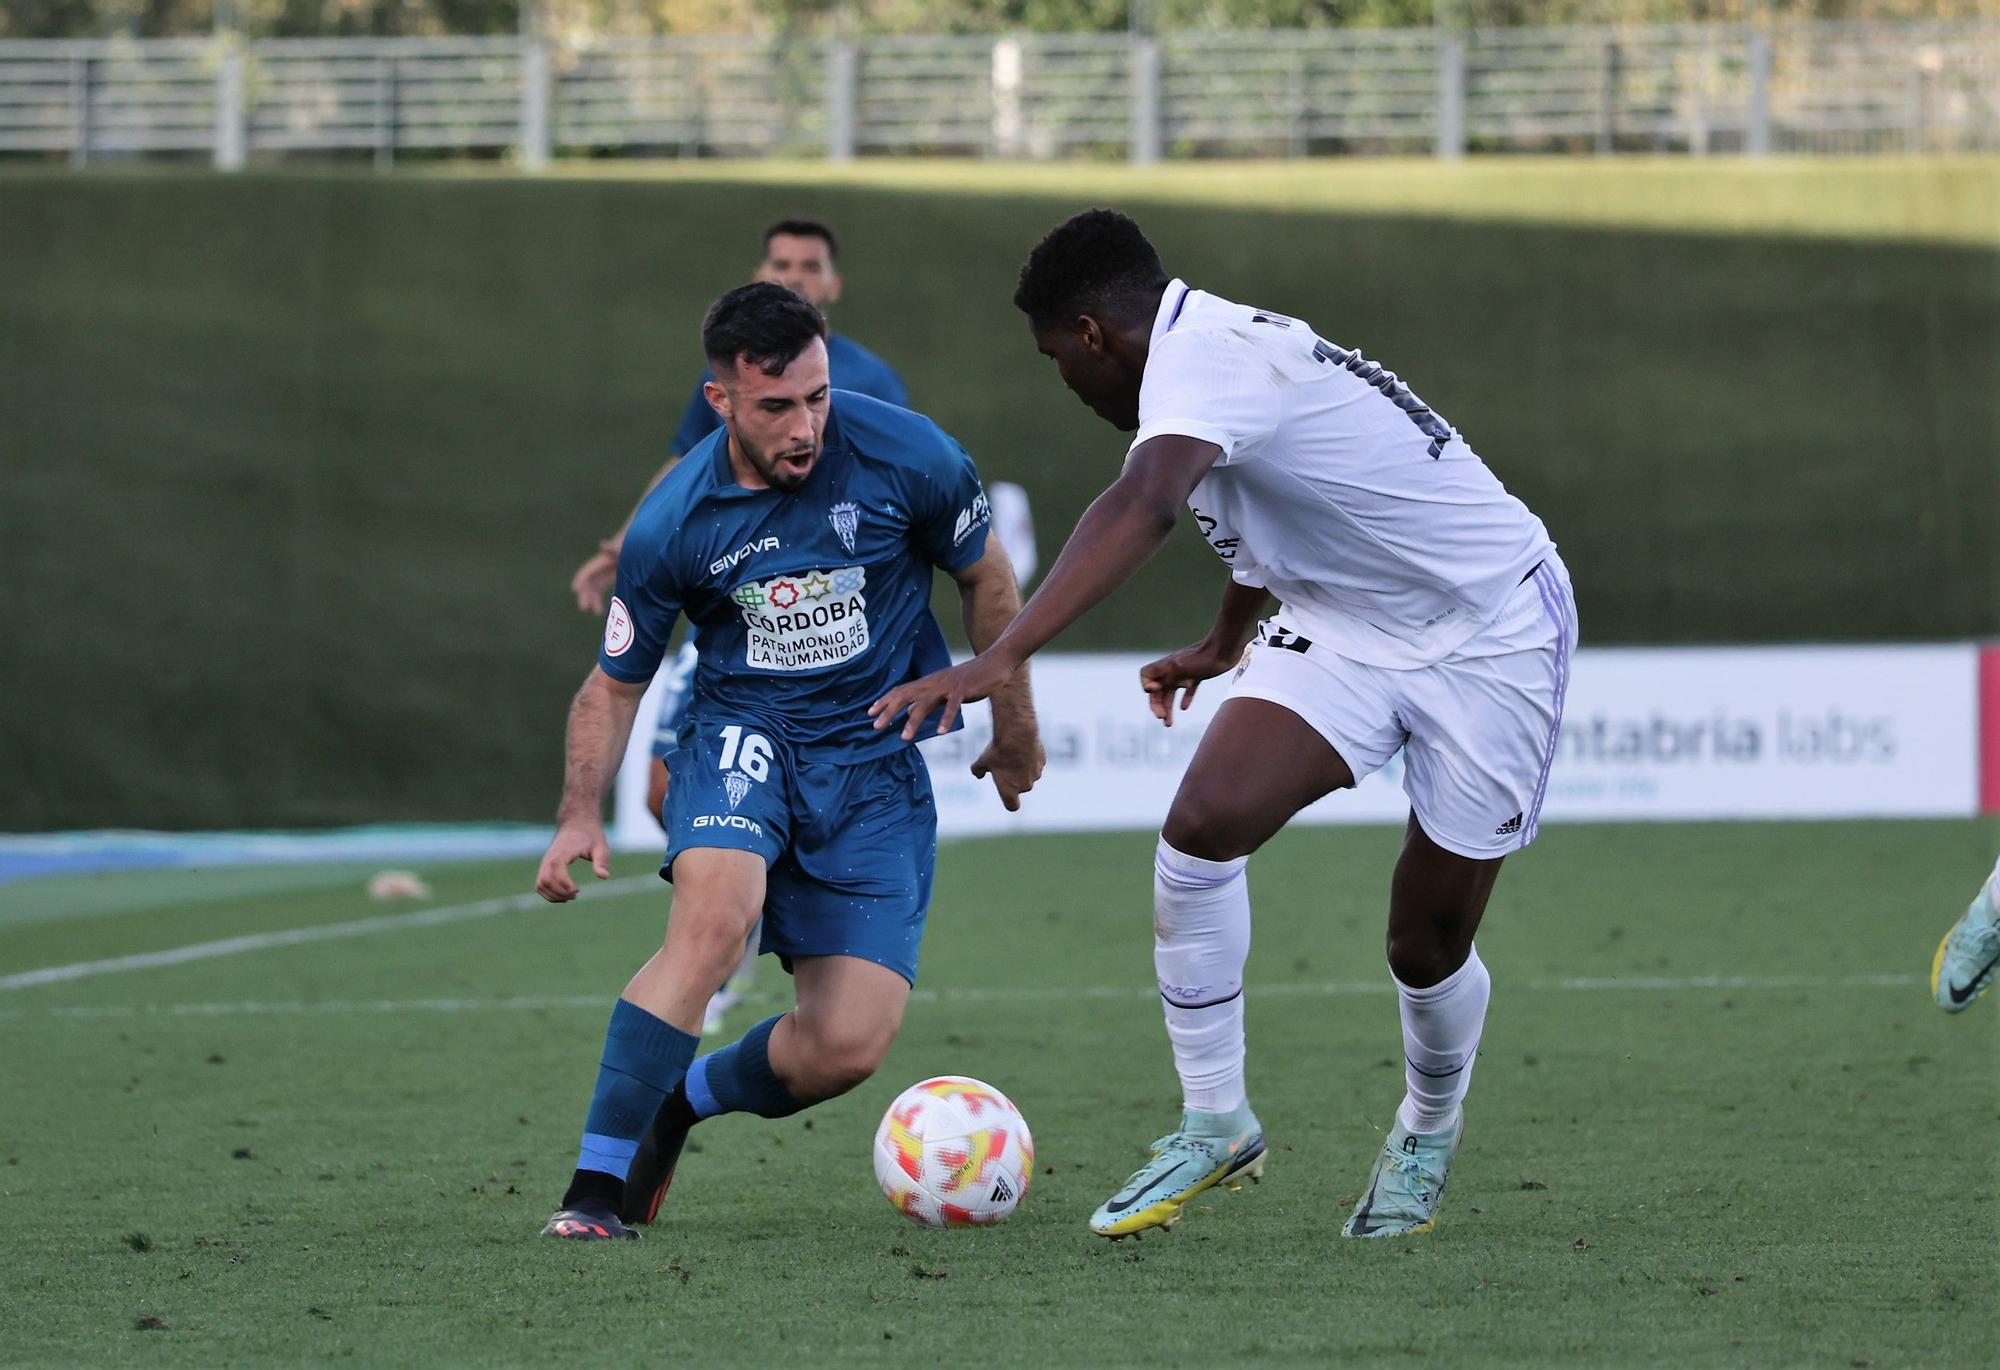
{"x": 594, "y": 579}
{"x": 600, "y": 721}
{"x": 992, "y": 598}
{"x": 1117, "y": 535}
{"x": 1183, "y": 671}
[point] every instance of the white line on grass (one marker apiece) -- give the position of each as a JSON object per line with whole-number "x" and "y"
{"x": 599, "y": 1002}
{"x": 1657, "y": 982}
{"x": 488, "y": 908}
{"x": 322, "y": 932}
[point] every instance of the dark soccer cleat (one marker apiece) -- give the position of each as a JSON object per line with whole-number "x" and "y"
{"x": 588, "y": 1225}
{"x": 652, "y": 1171}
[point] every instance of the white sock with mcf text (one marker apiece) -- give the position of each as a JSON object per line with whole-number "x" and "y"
{"x": 1441, "y": 1027}
{"x": 1201, "y": 938}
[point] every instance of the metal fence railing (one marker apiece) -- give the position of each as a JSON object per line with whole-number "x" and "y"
{"x": 1840, "y": 98}
{"x": 922, "y": 95}
{"x": 734, "y": 96}
{"x": 1698, "y": 88}
{"x": 405, "y": 94}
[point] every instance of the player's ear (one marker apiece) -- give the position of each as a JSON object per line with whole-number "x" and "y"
{"x": 717, "y": 397}
{"x": 832, "y": 286}
{"x": 1089, "y": 334}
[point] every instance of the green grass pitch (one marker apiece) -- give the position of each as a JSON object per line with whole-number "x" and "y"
{"x": 1716, "y": 1121}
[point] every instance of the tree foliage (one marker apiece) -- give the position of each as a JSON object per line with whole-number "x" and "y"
{"x": 581, "y": 18}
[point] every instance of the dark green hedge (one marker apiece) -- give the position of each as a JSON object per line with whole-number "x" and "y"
{"x": 293, "y": 470}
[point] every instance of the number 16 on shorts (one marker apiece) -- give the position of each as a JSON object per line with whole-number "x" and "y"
{"x": 728, "y": 787}
{"x": 752, "y": 751}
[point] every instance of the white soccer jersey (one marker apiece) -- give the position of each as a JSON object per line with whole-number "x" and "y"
{"x": 1378, "y": 528}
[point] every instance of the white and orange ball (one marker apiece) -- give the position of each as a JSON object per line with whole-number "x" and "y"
{"x": 954, "y": 1152}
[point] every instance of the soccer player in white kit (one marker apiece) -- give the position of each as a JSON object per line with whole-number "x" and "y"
{"x": 1420, "y": 607}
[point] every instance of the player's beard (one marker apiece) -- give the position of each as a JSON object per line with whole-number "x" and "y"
{"x": 780, "y": 470}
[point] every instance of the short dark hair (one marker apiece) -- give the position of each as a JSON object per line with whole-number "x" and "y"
{"x": 1096, "y": 262}
{"x": 763, "y": 323}
{"x": 804, "y": 228}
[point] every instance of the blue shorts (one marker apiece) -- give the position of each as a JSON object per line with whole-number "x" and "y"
{"x": 850, "y": 847}
{"x": 676, "y": 695}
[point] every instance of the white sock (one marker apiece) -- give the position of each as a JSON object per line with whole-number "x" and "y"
{"x": 1441, "y": 1027}
{"x": 1201, "y": 938}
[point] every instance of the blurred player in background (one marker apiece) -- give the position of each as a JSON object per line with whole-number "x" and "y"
{"x": 1014, "y": 525}
{"x": 801, "y": 255}
{"x": 1422, "y": 608}
{"x": 800, "y": 541}
{"x": 1969, "y": 956}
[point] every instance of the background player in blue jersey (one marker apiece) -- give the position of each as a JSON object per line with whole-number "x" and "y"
{"x": 800, "y": 541}
{"x": 800, "y": 254}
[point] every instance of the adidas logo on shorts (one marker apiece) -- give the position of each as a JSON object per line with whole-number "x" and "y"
{"x": 1509, "y": 828}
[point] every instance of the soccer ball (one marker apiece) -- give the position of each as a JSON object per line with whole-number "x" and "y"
{"x": 953, "y": 1152}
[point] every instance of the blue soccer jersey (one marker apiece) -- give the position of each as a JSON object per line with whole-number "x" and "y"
{"x": 807, "y": 605}
{"x": 850, "y": 366}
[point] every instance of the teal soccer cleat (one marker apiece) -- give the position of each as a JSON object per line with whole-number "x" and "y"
{"x": 1209, "y": 1149}
{"x": 1407, "y": 1184}
{"x": 1966, "y": 960}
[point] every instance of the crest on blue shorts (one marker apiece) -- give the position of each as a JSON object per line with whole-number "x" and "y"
{"x": 736, "y": 784}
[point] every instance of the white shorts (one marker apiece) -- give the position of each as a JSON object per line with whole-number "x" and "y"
{"x": 1478, "y": 728}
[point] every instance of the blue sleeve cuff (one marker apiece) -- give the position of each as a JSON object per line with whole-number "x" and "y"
{"x": 623, "y": 671}
{"x": 969, "y": 551}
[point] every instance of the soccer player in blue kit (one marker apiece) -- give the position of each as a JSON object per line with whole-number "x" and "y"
{"x": 802, "y": 255}
{"x": 800, "y": 540}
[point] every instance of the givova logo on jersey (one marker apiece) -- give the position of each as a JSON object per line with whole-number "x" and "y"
{"x": 804, "y": 622}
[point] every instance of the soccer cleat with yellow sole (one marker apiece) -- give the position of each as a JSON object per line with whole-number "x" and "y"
{"x": 1210, "y": 1149}
{"x": 1968, "y": 958}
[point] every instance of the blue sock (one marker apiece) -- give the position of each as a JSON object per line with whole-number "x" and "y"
{"x": 739, "y": 1079}
{"x": 644, "y": 1059}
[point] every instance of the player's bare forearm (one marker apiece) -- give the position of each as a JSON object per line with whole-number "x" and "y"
{"x": 600, "y": 722}
{"x": 593, "y": 580}
{"x": 991, "y": 599}
{"x": 1120, "y": 531}
{"x": 617, "y": 539}
{"x": 1236, "y": 619}
{"x": 1117, "y": 535}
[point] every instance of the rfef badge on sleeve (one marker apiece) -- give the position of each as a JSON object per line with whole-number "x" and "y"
{"x": 617, "y": 629}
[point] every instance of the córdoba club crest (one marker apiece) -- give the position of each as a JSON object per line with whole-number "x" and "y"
{"x": 845, "y": 518}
